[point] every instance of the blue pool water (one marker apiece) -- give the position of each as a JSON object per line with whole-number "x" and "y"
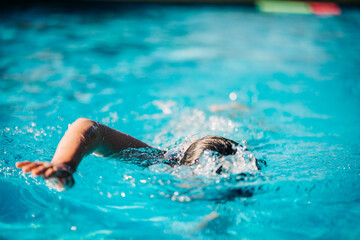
{"x": 287, "y": 84}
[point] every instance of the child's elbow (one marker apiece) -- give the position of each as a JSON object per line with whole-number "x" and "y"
{"x": 83, "y": 120}
{"x": 84, "y": 123}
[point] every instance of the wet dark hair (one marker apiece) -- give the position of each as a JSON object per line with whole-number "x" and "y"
{"x": 217, "y": 144}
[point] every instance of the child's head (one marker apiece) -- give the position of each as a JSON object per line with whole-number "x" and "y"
{"x": 218, "y": 144}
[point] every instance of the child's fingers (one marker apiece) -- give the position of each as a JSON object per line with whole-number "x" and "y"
{"x": 29, "y": 167}
{"x": 49, "y": 172}
{"x": 39, "y": 170}
{"x": 21, "y": 164}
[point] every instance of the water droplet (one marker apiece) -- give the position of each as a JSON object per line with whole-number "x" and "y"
{"x": 232, "y": 96}
{"x": 244, "y": 143}
{"x": 126, "y": 177}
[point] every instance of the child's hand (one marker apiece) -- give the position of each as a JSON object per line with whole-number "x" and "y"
{"x": 59, "y": 176}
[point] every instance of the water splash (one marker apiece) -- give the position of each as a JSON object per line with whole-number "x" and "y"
{"x": 211, "y": 164}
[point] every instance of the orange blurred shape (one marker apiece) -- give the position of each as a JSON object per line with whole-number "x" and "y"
{"x": 322, "y": 8}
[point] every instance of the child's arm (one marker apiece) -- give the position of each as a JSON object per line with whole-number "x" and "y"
{"x": 82, "y": 138}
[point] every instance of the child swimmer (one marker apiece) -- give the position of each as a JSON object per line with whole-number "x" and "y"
{"x": 86, "y": 136}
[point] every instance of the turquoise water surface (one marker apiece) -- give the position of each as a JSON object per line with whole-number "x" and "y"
{"x": 287, "y": 84}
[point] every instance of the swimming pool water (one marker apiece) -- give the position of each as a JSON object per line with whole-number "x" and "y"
{"x": 287, "y": 84}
